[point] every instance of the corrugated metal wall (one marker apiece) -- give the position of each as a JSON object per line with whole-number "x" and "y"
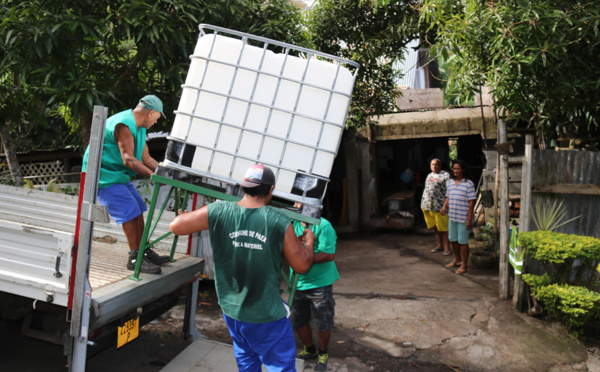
{"x": 570, "y": 167}
{"x": 409, "y": 66}
{"x": 58, "y": 211}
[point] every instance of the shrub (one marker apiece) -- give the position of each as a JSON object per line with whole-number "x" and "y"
{"x": 537, "y": 281}
{"x": 53, "y": 187}
{"x": 559, "y": 289}
{"x": 558, "y": 252}
{"x": 572, "y": 305}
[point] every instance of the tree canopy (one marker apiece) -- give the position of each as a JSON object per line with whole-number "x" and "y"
{"x": 59, "y": 58}
{"x": 372, "y": 35}
{"x": 66, "y": 56}
{"x": 540, "y": 58}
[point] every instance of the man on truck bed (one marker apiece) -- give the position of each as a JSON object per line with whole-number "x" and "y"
{"x": 249, "y": 240}
{"x": 125, "y": 154}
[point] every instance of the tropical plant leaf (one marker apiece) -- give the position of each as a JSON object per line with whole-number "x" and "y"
{"x": 549, "y": 216}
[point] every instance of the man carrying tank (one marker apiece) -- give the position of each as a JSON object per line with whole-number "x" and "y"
{"x": 125, "y": 154}
{"x": 249, "y": 239}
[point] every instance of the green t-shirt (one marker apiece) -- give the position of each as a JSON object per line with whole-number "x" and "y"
{"x": 112, "y": 169}
{"x": 247, "y": 251}
{"x": 321, "y": 274}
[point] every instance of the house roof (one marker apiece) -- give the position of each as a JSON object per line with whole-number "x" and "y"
{"x": 446, "y": 122}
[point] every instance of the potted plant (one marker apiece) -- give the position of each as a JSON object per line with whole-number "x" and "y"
{"x": 488, "y": 237}
{"x": 485, "y": 259}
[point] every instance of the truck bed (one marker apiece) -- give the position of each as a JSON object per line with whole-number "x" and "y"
{"x": 36, "y": 262}
{"x": 36, "y": 239}
{"x": 108, "y": 264}
{"x": 55, "y": 211}
{"x": 114, "y": 294}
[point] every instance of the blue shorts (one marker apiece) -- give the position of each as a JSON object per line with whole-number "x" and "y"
{"x": 457, "y": 231}
{"x": 124, "y": 202}
{"x": 254, "y": 344}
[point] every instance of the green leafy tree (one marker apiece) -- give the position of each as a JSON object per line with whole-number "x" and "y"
{"x": 540, "y": 58}
{"x": 62, "y": 57}
{"x": 374, "y": 35}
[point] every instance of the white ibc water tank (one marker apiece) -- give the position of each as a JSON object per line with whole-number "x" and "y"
{"x": 244, "y": 104}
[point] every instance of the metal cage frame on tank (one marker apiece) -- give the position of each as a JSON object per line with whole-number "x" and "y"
{"x": 233, "y": 113}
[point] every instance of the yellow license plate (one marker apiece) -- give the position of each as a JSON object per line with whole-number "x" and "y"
{"x": 128, "y": 331}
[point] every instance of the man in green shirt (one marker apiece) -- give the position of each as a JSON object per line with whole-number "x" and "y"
{"x": 125, "y": 154}
{"x": 314, "y": 294}
{"x": 249, "y": 240}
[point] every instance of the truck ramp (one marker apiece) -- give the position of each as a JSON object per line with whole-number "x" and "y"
{"x": 209, "y": 356}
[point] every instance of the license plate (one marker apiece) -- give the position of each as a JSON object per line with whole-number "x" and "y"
{"x": 128, "y": 331}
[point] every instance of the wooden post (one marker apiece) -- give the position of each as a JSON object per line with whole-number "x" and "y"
{"x": 524, "y": 214}
{"x": 497, "y": 198}
{"x": 504, "y": 278}
{"x": 352, "y": 153}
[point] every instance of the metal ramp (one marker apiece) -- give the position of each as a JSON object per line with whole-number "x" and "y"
{"x": 209, "y": 356}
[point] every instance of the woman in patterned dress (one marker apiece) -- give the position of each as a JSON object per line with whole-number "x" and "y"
{"x": 432, "y": 202}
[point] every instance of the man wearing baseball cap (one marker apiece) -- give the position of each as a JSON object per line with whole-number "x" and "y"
{"x": 125, "y": 154}
{"x": 151, "y": 102}
{"x": 248, "y": 240}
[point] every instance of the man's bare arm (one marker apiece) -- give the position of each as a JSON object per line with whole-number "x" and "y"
{"x": 124, "y": 139}
{"x": 148, "y": 160}
{"x": 190, "y": 222}
{"x": 322, "y": 257}
{"x": 298, "y": 256}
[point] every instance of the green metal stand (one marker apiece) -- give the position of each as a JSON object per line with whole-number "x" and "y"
{"x": 178, "y": 187}
{"x": 292, "y": 283}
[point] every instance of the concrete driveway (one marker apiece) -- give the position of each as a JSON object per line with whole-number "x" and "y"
{"x": 398, "y": 298}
